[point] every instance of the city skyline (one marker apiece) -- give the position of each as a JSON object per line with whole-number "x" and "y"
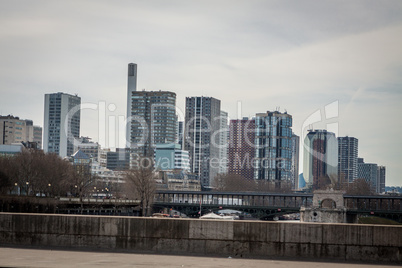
{"x": 298, "y": 56}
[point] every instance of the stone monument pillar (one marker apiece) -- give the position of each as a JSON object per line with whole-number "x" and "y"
{"x": 328, "y": 206}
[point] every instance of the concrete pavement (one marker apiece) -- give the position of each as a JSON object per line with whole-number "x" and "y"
{"x": 18, "y": 257}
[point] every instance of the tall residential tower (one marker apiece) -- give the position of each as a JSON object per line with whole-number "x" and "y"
{"x": 223, "y": 143}
{"x": 320, "y": 162}
{"x": 347, "y": 158}
{"x": 202, "y": 123}
{"x": 61, "y": 123}
{"x": 273, "y": 147}
{"x": 153, "y": 121}
{"x": 131, "y": 87}
{"x": 241, "y": 147}
{"x": 295, "y": 161}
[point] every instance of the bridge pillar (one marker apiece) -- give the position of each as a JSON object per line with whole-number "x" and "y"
{"x": 328, "y": 206}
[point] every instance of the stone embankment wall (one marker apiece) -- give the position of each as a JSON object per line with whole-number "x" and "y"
{"x": 254, "y": 239}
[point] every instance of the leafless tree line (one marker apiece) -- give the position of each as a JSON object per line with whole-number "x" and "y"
{"x": 236, "y": 183}
{"x": 35, "y": 173}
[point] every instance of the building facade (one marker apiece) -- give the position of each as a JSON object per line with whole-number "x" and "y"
{"x": 223, "y": 143}
{"x": 202, "y": 123}
{"x": 16, "y": 130}
{"x": 153, "y": 121}
{"x": 131, "y": 87}
{"x": 37, "y": 136}
{"x": 81, "y": 163}
{"x": 33, "y": 134}
{"x": 320, "y": 162}
{"x": 177, "y": 180}
{"x": 368, "y": 172}
{"x": 241, "y": 147}
{"x": 180, "y": 133}
{"x": 347, "y": 158}
{"x": 295, "y": 161}
{"x": 12, "y": 130}
{"x": 170, "y": 156}
{"x": 116, "y": 161}
{"x": 61, "y": 123}
{"x": 91, "y": 149}
{"x": 273, "y": 147}
{"x": 381, "y": 179}
{"x": 11, "y": 149}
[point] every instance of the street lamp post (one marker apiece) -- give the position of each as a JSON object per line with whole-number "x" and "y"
{"x": 27, "y": 189}
{"x": 17, "y": 189}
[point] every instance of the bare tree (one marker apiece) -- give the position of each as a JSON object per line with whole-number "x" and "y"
{"x": 36, "y": 173}
{"x": 278, "y": 186}
{"x": 56, "y": 175}
{"x": 7, "y": 174}
{"x": 140, "y": 180}
{"x": 358, "y": 187}
{"x": 233, "y": 183}
{"x": 5, "y": 182}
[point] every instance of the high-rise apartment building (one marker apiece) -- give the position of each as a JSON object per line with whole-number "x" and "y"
{"x": 347, "y": 158}
{"x": 153, "y": 121}
{"x": 202, "y": 123}
{"x": 241, "y": 147}
{"x": 223, "y": 143}
{"x": 381, "y": 179}
{"x": 320, "y": 162}
{"x": 131, "y": 87}
{"x": 295, "y": 161}
{"x": 273, "y": 147}
{"x": 61, "y": 123}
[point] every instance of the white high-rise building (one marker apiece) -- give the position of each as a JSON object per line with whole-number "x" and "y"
{"x": 347, "y": 158}
{"x": 61, "y": 123}
{"x": 223, "y": 143}
{"x": 131, "y": 87}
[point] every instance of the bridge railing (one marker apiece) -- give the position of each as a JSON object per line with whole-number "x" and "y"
{"x": 374, "y": 203}
{"x": 98, "y": 200}
{"x": 233, "y": 199}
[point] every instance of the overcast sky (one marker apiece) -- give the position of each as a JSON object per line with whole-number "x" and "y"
{"x": 298, "y": 56}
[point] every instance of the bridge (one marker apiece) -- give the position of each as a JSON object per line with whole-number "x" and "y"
{"x": 259, "y": 205}
{"x": 383, "y": 206}
{"x": 267, "y": 205}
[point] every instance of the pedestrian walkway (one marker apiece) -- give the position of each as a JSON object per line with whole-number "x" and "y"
{"x": 17, "y": 257}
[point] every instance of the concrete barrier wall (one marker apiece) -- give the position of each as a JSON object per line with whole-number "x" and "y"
{"x": 205, "y": 237}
